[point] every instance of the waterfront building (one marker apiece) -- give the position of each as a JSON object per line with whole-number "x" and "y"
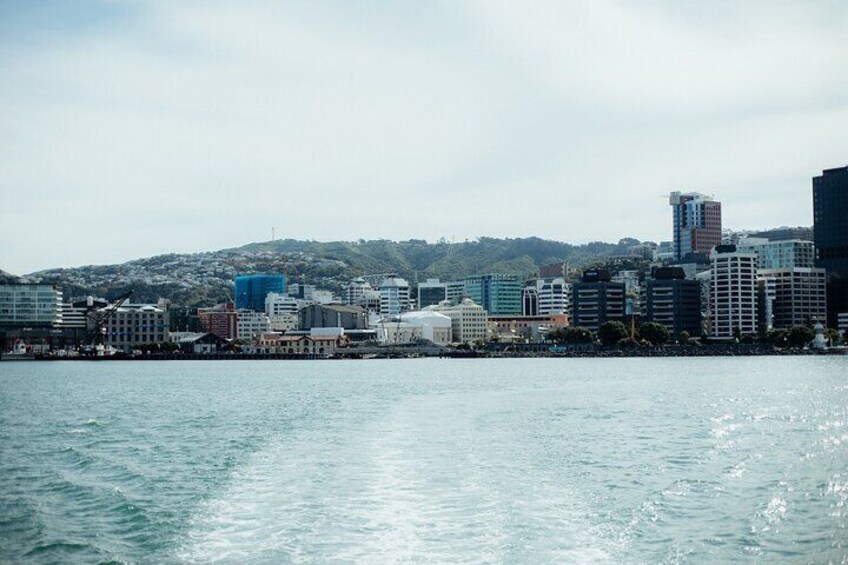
{"x": 220, "y": 320}
{"x": 521, "y": 328}
{"x": 596, "y": 300}
{"x": 830, "y": 228}
{"x": 134, "y": 325}
{"x": 38, "y": 305}
{"x": 529, "y": 301}
{"x": 197, "y": 342}
{"x": 396, "y": 332}
{"x": 394, "y": 296}
{"x": 499, "y": 295}
{"x": 333, "y": 316}
{"x": 75, "y": 314}
{"x": 696, "y": 223}
{"x": 673, "y": 301}
{"x": 299, "y": 344}
{"x": 431, "y": 293}
{"x": 796, "y": 297}
{"x": 780, "y": 254}
{"x": 468, "y": 320}
{"x": 281, "y": 310}
{"x": 251, "y": 290}
{"x": 733, "y": 293}
{"x": 251, "y": 323}
{"x": 434, "y": 326}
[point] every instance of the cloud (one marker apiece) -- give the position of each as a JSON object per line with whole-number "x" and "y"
{"x": 138, "y": 129}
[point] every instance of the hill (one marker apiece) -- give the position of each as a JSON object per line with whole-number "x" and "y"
{"x": 206, "y": 278}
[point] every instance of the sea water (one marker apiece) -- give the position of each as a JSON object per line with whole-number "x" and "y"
{"x": 430, "y": 460}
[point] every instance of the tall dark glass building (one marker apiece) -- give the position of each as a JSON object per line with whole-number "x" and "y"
{"x": 251, "y": 290}
{"x": 596, "y": 300}
{"x": 674, "y": 301}
{"x": 830, "y": 230}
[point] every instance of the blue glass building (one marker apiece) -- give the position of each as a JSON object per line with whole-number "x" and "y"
{"x": 251, "y": 290}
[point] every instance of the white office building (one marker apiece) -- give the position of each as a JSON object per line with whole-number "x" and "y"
{"x": 733, "y": 293}
{"x": 250, "y": 324}
{"x": 554, "y": 296}
{"x": 281, "y": 310}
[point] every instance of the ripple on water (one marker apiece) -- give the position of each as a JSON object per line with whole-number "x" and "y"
{"x": 518, "y": 461}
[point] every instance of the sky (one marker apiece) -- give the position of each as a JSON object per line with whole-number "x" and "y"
{"x": 131, "y": 129}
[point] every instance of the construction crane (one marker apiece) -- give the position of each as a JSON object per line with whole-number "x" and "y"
{"x": 95, "y": 321}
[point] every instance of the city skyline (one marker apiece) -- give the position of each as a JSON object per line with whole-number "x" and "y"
{"x": 143, "y": 129}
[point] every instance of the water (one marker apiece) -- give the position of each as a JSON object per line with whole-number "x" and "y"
{"x": 475, "y": 461}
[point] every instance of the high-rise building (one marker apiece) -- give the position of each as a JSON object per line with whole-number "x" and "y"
{"x": 733, "y": 293}
{"x": 674, "y": 301}
{"x": 431, "y": 292}
{"x": 596, "y": 300}
{"x": 830, "y": 228}
{"x": 697, "y": 223}
{"x": 530, "y": 301}
{"x": 251, "y": 290}
{"x": 554, "y": 296}
{"x": 394, "y": 296}
{"x": 799, "y": 296}
{"x": 499, "y": 295}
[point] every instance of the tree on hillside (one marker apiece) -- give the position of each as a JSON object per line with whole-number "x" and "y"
{"x": 656, "y": 334}
{"x": 610, "y": 333}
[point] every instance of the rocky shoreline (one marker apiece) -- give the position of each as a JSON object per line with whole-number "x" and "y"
{"x": 493, "y": 352}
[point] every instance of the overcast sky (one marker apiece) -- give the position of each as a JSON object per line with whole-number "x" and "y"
{"x": 134, "y": 129}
